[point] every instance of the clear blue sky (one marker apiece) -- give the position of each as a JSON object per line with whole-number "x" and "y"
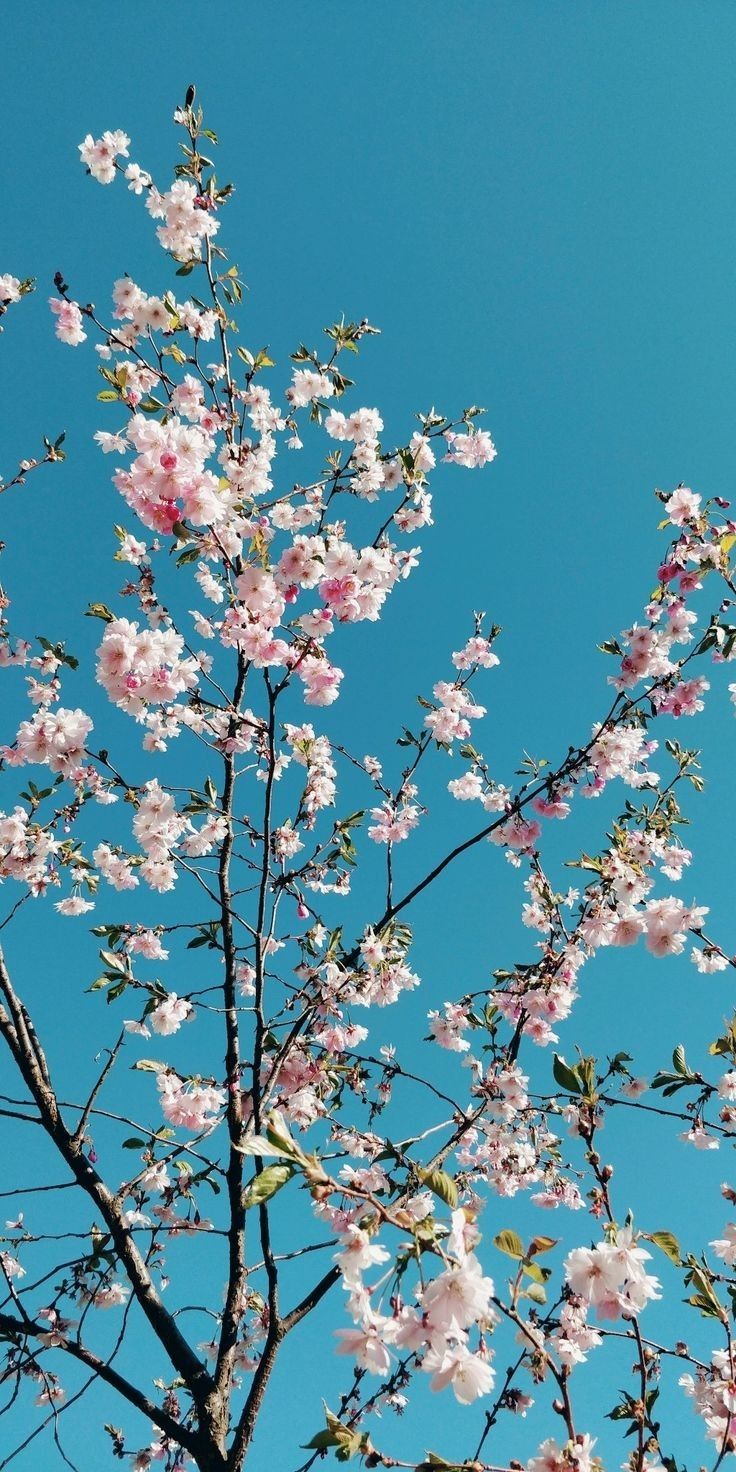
{"x": 535, "y": 202}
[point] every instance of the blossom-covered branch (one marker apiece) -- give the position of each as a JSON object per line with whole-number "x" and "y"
{"x": 273, "y": 1127}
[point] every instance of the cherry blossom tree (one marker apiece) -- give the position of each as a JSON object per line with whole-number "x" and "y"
{"x": 278, "y": 1156}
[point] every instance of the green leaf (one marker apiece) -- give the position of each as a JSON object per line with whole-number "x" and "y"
{"x": 667, "y": 1243}
{"x": 190, "y": 554}
{"x": 347, "y": 1443}
{"x": 352, "y": 820}
{"x": 536, "y": 1292}
{"x": 442, "y": 1185}
{"x": 99, "y": 610}
{"x": 260, "y": 1146}
{"x": 321, "y": 1442}
{"x": 567, "y": 1077}
{"x": 704, "y": 1298}
{"x": 705, "y": 1306}
{"x": 349, "y": 1446}
{"x": 264, "y": 1186}
{"x": 622, "y": 1411}
{"x": 277, "y": 1133}
{"x": 114, "y": 961}
{"x": 510, "y": 1243}
{"x": 537, "y": 1274}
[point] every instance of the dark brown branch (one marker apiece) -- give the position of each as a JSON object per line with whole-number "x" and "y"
{"x": 20, "y": 1329}
{"x": 236, "y": 1232}
{"x": 167, "y": 1331}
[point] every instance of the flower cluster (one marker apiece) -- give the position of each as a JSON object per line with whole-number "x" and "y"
{"x": 142, "y": 667}
{"x": 611, "y": 1276}
{"x": 437, "y": 1329}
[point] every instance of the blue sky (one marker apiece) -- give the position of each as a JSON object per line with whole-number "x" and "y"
{"x": 535, "y": 203}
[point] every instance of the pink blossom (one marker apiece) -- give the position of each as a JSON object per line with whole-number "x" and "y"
{"x": 99, "y": 154}
{"x": 168, "y": 1016}
{"x": 74, "y": 905}
{"x": 470, "y": 1375}
{"x": 683, "y": 506}
{"x": 472, "y": 450}
{"x": 9, "y": 288}
{"x": 68, "y": 321}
